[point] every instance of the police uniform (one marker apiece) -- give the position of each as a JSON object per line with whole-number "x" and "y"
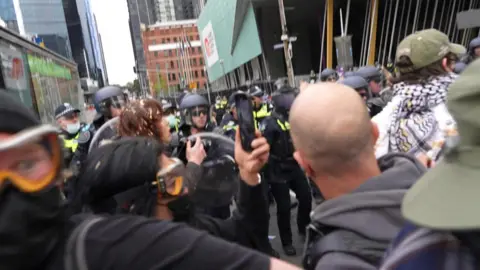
{"x": 283, "y": 174}
{"x": 261, "y": 113}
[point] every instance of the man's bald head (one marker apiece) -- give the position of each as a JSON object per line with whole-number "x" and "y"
{"x": 330, "y": 127}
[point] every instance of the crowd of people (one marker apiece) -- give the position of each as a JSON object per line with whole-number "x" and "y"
{"x": 386, "y": 160}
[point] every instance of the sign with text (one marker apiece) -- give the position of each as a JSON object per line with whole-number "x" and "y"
{"x": 13, "y": 69}
{"x": 208, "y": 40}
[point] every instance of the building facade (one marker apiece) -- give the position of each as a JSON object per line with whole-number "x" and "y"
{"x": 187, "y": 9}
{"x": 41, "y": 20}
{"x": 174, "y": 57}
{"x": 165, "y": 10}
{"x": 140, "y": 12}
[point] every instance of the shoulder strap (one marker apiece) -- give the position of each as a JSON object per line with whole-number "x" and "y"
{"x": 75, "y": 258}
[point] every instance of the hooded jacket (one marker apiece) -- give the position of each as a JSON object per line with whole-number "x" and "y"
{"x": 357, "y": 228}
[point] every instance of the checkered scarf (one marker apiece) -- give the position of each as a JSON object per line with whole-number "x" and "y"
{"x": 414, "y": 126}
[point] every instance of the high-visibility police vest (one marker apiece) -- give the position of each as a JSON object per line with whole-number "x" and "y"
{"x": 72, "y": 143}
{"x": 230, "y": 125}
{"x": 260, "y": 114}
{"x": 285, "y": 126}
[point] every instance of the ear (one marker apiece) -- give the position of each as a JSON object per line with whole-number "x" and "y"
{"x": 445, "y": 65}
{"x": 375, "y": 132}
{"x": 304, "y": 164}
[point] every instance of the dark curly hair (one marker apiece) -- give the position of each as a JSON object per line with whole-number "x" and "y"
{"x": 141, "y": 118}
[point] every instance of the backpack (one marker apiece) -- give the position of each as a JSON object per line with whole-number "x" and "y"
{"x": 75, "y": 258}
{"x": 322, "y": 240}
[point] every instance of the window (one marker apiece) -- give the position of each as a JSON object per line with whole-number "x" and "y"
{"x": 155, "y": 54}
{"x": 199, "y": 49}
{"x": 198, "y": 37}
{"x": 174, "y": 77}
{"x": 194, "y": 60}
{"x": 163, "y": 41}
{"x": 154, "y": 42}
{"x": 201, "y": 61}
{"x": 196, "y": 73}
{"x": 158, "y": 66}
{"x": 170, "y": 53}
{"x": 169, "y": 76}
{"x": 174, "y": 39}
{"x": 168, "y": 40}
{"x": 171, "y": 64}
{"x": 203, "y": 73}
{"x": 165, "y": 53}
{"x": 166, "y": 65}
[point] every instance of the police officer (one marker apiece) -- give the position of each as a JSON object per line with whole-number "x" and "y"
{"x": 283, "y": 171}
{"x": 229, "y": 127}
{"x": 328, "y": 75}
{"x": 473, "y": 50}
{"x": 108, "y": 102}
{"x": 76, "y": 138}
{"x": 219, "y": 109}
{"x": 459, "y": 67}
{"x": 195, "y": 119}
{"x": 373, "y": 76}
{"x": 361, "y": 86}
{"x": 260, "y": 108}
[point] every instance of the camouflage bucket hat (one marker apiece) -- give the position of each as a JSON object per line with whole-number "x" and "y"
{"x": 446, "y": 197}
{"x": 426, "y": 47}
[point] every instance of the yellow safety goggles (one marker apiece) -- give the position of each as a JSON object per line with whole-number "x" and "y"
{"x": 31, "y": 159}
{"x": 170, "y": 181}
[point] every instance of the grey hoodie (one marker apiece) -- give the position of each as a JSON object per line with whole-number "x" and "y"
{"x": 371, "y": 212}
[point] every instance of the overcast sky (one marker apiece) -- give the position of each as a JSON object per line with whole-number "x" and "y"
{"x": 112, "y": 20}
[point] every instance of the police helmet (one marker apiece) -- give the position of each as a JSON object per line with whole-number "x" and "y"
{"x": 355, "y": 82}
{"x": 283, "y": 98}
{"x": 475, "y": 43}
{"x": 281, "y": 82}
{"x": 255, "y": 91}
{"x": 231, "y": 98}
{"x": 166, "y": 105}
{"x": 328, "y": 73}
{"x": 190, "y": 102}
{"x": 349, "y": 74}
{"x": 459, "y": 67}
{"x": 369, "y": 73}
{"x": 106, "y": 97}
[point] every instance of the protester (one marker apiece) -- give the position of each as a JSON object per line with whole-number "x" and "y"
{"x": 441, "y": 207}
{"x": 37, "y": 233}
{"x": 361, "y": 215}
{"x": 416, "y": 120}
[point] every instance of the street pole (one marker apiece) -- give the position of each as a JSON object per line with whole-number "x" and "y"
{"x": 286, "y": 44}
{"x": 208, "y": 87}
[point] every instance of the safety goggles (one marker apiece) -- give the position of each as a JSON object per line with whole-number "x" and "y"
{"x": 170, "y": 181}
{"x": 199, "y": 111}
{"x": 30, "y": 160}
{"x": 117, "y": 102}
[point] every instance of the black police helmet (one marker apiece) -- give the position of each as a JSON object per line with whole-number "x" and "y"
{"x": 231, "y": 98}
{"x": 190, "y": 101}
{"x": 327, "y": 73}
{"x": 459, "y": 67}
{"x": 283, "y": 99}
{"x": 475, "y": 43}
{"x": 349, "y": 74}
{"x": 105, "y": 94}
{"x": 369, "y": 73}
{"x": 355, "y": 82}
{"x": 255, "y": 91}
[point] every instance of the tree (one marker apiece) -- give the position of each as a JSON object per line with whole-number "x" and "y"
{"x": 160, "y": 86}
{"x": 136, "y": 86}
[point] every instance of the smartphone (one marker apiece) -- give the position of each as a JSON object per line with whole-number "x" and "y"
{"x": 246, "y": 122}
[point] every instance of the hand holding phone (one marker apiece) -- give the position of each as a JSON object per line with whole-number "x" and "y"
{"x": 246, "y": 121}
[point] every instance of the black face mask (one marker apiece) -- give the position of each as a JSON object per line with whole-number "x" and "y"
{"x": 181, "y": 208}
{"x": 31, "y": 225}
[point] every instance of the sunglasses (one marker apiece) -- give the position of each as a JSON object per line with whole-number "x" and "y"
{"x": 30, "y": 160}
{"x": 199, "y": 112}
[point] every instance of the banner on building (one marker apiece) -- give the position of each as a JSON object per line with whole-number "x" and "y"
{"x": 209, "y": 44}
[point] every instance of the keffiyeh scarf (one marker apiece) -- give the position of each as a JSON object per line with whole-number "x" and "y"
{"x": 414, "y": 126}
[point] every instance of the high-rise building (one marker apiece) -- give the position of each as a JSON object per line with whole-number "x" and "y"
{"x": 141, "y": 12}
{"x": 41, "y": 20}
{"x": 84, "y": 37}
{"x": 165, "y": 10}
{"x": 187, "y": 9}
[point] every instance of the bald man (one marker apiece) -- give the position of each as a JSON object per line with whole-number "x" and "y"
{"x": 361, "y": 214}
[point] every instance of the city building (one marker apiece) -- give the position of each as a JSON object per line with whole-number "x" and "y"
{"x": 40, "y": 20}
{"x": 174, "y": 57}
{"x": 187, "y": 9}
{"x": 86, "y": 47}
{"x": 140, "y": 12}
{"x": 165, "y": 10}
